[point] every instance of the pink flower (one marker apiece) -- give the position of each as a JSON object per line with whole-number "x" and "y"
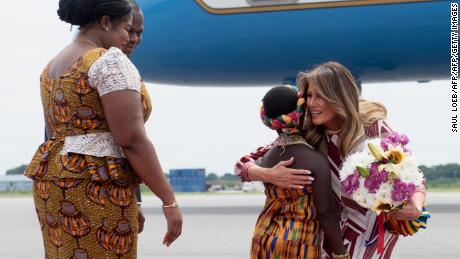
{"x": 384, "y": 144}
{"x": 402, "y": 191}
{"x": 384, "y": 176}
{"x": 351, "y": 183}
{"x": 375, "y": 179}
{"x": 404, "y": 140}
{"x": 394, "y": 139}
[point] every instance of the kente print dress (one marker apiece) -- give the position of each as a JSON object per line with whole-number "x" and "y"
{"x": 83, "y": 187}
{"x": 288, "y": 226}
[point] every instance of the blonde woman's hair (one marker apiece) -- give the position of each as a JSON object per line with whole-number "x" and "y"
{"x": 371, "y": 112}
{"x": 338, "y": 88}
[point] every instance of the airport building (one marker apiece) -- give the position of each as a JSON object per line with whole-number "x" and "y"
{"x": 188, "y": 180}
{"x": 15, "y": 183}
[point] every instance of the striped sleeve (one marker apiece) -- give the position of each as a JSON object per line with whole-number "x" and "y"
{"x": 384, "y": 128}
{"x": 377, "y": 129}
{"x": 242, "y": 165}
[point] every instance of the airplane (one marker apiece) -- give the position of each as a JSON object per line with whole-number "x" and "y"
{"x": 267, "y": 42}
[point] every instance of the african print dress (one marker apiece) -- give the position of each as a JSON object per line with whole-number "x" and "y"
{"x": 83, "y": 187}
{"x": 288, "y": 226}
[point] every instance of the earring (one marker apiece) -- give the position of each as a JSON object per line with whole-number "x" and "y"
{"x": 106, "y": 29}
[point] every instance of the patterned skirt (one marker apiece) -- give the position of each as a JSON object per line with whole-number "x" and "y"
{"x": 287, "y": 226}
{"x": 90, "y": 216}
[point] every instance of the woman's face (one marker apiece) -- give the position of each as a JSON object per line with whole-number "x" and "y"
{"x": 117, "y": 34}
{"x": 135, "y": 34}
{"x": 320, "y": 111}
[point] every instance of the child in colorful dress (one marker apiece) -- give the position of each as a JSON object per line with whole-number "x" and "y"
{"x": 289, "y": 225}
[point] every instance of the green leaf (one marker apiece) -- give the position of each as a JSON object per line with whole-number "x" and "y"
{"x": 364, "y": 172}
{"x": 375, "y": 152}
{"x": 393, "y": 175}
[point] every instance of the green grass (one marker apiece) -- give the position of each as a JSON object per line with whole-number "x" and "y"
{"x": 443, "y": 189}
{"x": 443, "y": 186}
{"x": 15, "y": 194}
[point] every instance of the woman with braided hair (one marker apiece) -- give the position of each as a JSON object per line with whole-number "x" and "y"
{"x": 289, "y": 224}
{"x": 95, "y": 105}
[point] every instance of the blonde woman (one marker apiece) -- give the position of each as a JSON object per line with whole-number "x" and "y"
{"x": 336, "y": 123}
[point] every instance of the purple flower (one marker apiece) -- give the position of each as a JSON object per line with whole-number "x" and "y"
{"x": 402, "y": 191}
{"x": 372, "y": 183}
{"x": 375, "y": 179}
{"x": 394, "y": 139}
{"x": 397, "y": 195}
{"x": 384, "y": 176}
{"x": 404, "y": 140}
{"x": 374, "y": 168}
{"x": 410, "y": 189}
{"x": 351, "y": 183}
{"x": 384, "y": 144}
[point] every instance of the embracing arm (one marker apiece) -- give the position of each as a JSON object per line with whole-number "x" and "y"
{"x": 279, "y": 175}
{"x": 242, "y": 166}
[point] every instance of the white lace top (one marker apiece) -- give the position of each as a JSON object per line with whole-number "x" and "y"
{"x": 97, "y": 144}
{"x": 113, "y": 71}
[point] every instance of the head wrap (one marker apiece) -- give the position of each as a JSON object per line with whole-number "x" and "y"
{"x": 287, "y": 123}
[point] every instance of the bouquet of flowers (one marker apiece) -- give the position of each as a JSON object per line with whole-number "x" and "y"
{"x": 382, "y": 178}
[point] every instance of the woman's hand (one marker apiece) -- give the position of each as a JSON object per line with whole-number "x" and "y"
{"x": 174, "y": 221}
{"x": 410, "y": 211}
{"x": 140, "y": 219}
{"x": 282, "y": 176}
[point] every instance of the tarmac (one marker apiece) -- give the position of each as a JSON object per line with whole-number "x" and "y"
{"x": 220, "y": 226}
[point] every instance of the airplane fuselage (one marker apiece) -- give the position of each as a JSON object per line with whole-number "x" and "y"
{"x": 188, "y": 43}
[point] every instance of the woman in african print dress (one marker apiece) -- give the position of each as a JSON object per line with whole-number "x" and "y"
{"x": 95, "y": 107}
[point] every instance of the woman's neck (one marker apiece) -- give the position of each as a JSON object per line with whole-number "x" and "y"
{"x": 87, "y": 36}
{"x": 333, "y": 127}
{"x": 284, "y": 140}
{"x": 333, "y": 132}
{"x": 297, "y": 133}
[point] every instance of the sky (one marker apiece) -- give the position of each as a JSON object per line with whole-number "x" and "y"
{"x": 190, "y": 127}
